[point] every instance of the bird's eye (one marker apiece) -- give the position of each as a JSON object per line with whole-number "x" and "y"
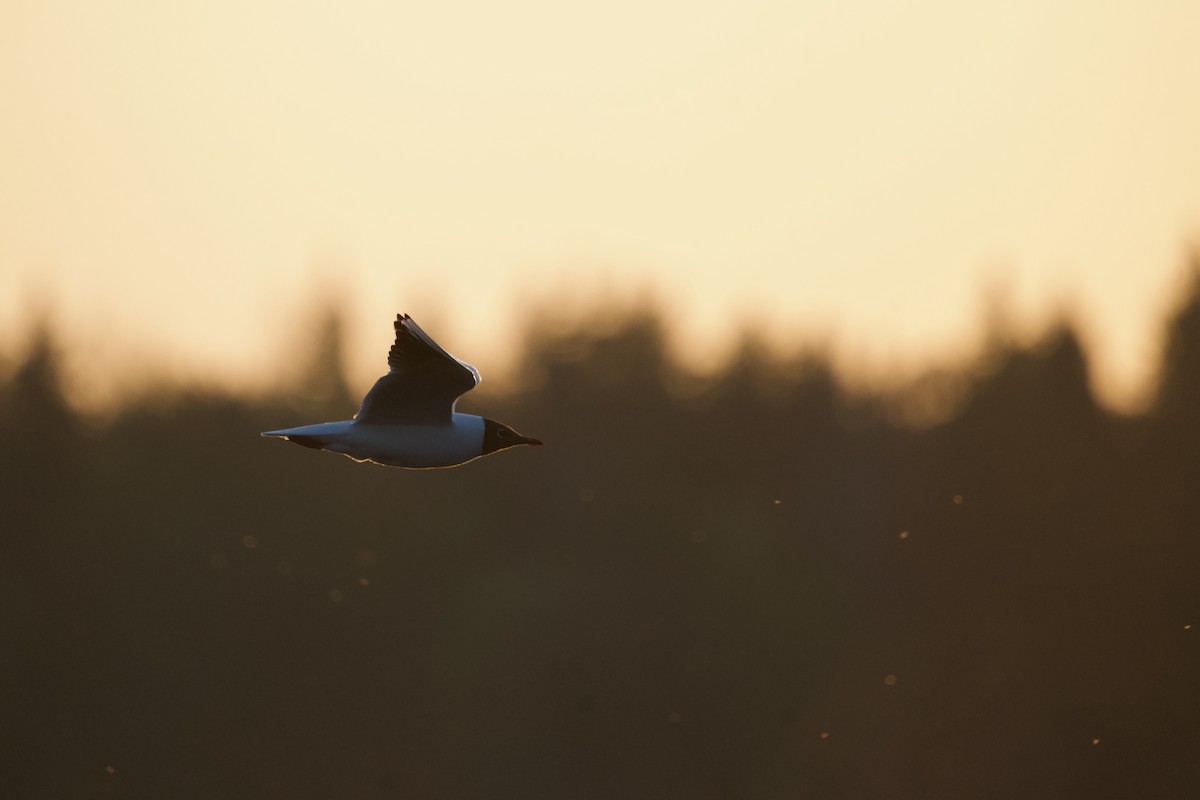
{"x": 502, "y": 432}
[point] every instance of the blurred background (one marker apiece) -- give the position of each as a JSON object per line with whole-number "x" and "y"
{"x": 864, "y": 338}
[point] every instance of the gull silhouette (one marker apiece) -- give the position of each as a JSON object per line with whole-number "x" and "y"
{"x": 408, "y": 418}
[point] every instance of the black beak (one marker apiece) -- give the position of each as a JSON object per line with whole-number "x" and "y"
{"x": 529, "y": 440}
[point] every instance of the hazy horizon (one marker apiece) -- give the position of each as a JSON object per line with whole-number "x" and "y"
{"x": 98, "y": 376}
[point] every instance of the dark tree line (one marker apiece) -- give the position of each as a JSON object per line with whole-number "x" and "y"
{"x": 754, "y": 586}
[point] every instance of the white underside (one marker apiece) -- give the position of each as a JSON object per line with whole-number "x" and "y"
{"x": 411, "y": 446}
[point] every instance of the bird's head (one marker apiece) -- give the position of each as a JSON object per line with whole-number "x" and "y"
{"x": 498, "y": 436}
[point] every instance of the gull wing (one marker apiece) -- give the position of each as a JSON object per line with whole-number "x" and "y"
{"x": 422, "y": 385}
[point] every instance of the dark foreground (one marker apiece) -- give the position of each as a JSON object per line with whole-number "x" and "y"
{"x": 760, "y": 587}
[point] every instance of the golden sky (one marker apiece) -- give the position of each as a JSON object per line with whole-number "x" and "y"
{"x": 177, "y": 177}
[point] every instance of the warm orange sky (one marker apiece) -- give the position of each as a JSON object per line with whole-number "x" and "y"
{"x": 178, "y": 174}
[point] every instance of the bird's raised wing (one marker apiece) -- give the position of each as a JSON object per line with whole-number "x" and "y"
{"x": 422, "y": 385}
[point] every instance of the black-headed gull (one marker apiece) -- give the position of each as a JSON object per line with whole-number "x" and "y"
{"x": 408, "y": 418}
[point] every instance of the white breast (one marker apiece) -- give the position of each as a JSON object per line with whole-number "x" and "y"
{"x": 415, "y": 445}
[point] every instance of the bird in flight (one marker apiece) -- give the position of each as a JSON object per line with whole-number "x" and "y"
{"x": 408, "y": 418}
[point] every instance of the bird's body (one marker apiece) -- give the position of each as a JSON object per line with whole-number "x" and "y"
{"x": 408, "y": 418}
{"x": 413, "y": 446}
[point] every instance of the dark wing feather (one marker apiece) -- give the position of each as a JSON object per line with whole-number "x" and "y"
{"x": 422, "y": 385}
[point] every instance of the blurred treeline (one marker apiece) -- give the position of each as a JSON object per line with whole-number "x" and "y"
{"x": 755, "y": 585}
